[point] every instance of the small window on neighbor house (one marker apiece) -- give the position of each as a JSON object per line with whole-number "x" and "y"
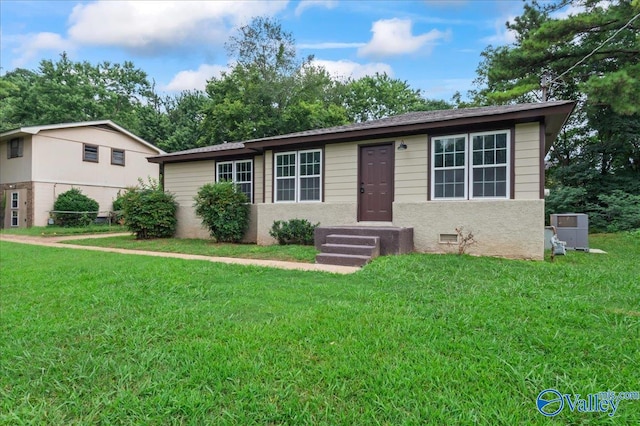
{"x": 117, "y": 157}
{"x": 14, "y": 218}
{"x": 14, "y": 148}
{"x": 90, "y": 153}
{"x": 14, "y": 200}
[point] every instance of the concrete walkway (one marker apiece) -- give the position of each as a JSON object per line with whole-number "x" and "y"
{"x": 56, "y": 242}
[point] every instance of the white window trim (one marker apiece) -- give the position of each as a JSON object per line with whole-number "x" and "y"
{"x": 297, "y": 176}
{"x": 468, "y": 168}
{"x": 233, "y": 173}
{"x": 17, "y": 200}
{"x": 433, "y": 168}
{"x": 15, "y": 215}
{"x": 508, "y": 165}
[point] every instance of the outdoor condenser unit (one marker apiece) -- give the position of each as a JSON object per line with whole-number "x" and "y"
{"x": 572, "y": 228}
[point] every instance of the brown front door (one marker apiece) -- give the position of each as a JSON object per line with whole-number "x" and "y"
{"x": 376, "y": 183}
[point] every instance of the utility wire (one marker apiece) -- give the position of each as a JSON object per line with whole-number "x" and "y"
{"x": 594, "y": 50}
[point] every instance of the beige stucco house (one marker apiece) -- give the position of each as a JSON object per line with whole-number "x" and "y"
{"x": 479, "y": 168}
{"x": 40, "y": 162}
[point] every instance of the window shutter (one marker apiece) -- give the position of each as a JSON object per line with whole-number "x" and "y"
{"x": 20, "y": 146}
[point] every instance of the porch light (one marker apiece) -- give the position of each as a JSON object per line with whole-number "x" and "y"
{"x": 402, "y": 146}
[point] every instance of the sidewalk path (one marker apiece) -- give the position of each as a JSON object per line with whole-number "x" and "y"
{"x": 55, "y": 242}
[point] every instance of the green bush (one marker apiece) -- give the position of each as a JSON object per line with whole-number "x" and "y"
{"x": 294, "y": 231}
{"x": 117, "y": 213}
{"x": 149, "y": 212}
{"x": 615, "y": 212}
{"x": 75, "y": 201}
{"x": 223, "y": 210}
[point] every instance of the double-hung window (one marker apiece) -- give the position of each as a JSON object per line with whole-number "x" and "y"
{"x": 298, "y": 176}
{"x": 239, "y": 172}
{"x": 470, "y": 166}
{"x": 15, "y": 200}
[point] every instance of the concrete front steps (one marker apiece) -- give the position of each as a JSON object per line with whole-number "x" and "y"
{"x": 357, "y": 245}
{"x": 348, "y": 250}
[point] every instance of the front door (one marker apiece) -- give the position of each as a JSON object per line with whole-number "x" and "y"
{"x": 375, "y": 196}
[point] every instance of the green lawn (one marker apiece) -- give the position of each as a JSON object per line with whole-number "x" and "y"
{"x": 58, "y": 231}
{"x": 89, "y": 337}
{"x": 293, "y": 253}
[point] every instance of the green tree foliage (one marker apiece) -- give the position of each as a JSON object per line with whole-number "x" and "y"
{"x": 82, "y": 210}
{"x": 379, "y": 96}
{"x": 149, "y": 212}
{"x": 592, "y": 57}
{"x": 268, "y": 91}
{"x": 224, "y": 210}
{"x": 67, "y": 91}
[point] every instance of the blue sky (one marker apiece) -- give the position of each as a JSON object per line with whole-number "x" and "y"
{"x": 434, "y": 45}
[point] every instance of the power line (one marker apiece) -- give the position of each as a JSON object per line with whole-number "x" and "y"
{"x": 594, "y": 50}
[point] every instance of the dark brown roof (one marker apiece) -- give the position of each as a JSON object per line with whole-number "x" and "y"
{"x": 554, "y": 114}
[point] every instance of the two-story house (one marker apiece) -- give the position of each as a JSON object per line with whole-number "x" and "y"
{"x": 98, "y": 157}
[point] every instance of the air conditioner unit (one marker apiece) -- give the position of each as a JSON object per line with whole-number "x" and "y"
{"x": 573, "y": 228}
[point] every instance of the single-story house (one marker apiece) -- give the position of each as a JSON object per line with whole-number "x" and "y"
{"x": 98, "y": 157}
{"x": 434, "y": 171}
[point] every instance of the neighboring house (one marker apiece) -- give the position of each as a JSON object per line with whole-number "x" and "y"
{"x": 433, "y": 171}
{"x": 98, "y": 157}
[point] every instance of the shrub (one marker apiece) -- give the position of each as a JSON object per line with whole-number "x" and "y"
{"x": 75, "y": 201}
{"x": 117, "y": 211}
{"x": 294, "y": 231}
{"x": 149, "y": 212}
{"x": 223, "y": 210}
{"x": 615, "y": 212}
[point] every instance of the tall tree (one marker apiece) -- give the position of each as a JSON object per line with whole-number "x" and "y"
{"x": 268, "y": 91}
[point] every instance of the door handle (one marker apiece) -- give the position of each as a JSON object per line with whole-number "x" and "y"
{"x": 362, "y": 190}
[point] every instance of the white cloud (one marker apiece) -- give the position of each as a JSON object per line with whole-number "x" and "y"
{"x": 393, "y": 37}
{"x": 329, "y": 45}
{"x": 502, "y": 35}
{"x": 195, "y": 79}
{"x": 306, "y": 4}
{"x": 30, "y": 46}
{"x": 154, "y": 25}
{"x": 343, "y": 69}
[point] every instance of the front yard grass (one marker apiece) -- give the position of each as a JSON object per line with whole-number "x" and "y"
{"x": 105, "y": 338}
{"x": 59, "y": 231}
{"x": 292, "y": 253}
